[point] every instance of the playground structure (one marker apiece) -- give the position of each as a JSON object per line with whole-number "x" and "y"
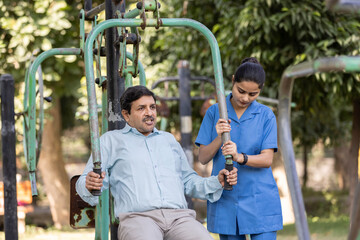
{"x": 120, "y": 75}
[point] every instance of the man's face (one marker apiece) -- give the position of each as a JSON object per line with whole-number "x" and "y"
{"x": 142, "y": 115}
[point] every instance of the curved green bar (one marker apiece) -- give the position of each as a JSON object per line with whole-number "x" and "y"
{"x": 344, "y": 63}
{"x": 31, "y": 154}
{"x": 133, "y": 13}
{"x": 166, "y": 22}
{"x": 26, "y": 118}
{"x": 142, "y": 76}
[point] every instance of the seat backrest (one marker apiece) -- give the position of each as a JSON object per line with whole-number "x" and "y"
{"x": 82, "y": 214}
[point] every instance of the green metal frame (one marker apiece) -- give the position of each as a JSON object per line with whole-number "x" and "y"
{"x": 93, "y": 118}
{"x": 95, "y": 144}
{"x": 340, "y": 64}
{"x": 30, "y": 110}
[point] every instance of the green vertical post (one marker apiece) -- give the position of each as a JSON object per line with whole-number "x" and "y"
{"x": 142, "y": 75}
{"x": 102, "y": 219}
{"x": 128, "y": 80}
{"x": 102, "y": 209}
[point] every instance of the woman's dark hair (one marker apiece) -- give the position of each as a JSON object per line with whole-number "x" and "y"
{"x": 132, "y": 94}
{"x": 250, "y": 70}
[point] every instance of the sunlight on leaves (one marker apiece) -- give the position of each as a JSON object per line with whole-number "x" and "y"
{"x": 46, "y": 44}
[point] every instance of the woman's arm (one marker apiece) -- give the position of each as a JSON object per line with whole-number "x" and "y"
{"x": 207, "y": 152}
{"x": 262, "y": 160}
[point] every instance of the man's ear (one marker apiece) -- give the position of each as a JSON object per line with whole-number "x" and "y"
{"x": 233, "y": 79}
{"x": 125, "y": 115}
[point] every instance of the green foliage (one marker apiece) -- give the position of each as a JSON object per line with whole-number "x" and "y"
{"x": 279, "y": 34}
{"x": 36, "y": 26}
{"x": 325, "y": 204}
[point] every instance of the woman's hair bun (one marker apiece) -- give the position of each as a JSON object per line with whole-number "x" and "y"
{"x": 250, "y": 59}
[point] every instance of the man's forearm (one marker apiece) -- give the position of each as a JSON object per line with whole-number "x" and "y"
{"x": 204, "y": 188}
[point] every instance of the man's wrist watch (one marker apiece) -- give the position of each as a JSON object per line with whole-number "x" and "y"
{"x": 245, "y": 159}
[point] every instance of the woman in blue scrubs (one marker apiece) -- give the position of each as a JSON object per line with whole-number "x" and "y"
{"x": 253, "y": 206}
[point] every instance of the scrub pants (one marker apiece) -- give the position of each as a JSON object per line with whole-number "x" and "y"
{"x": 261, "y": 236}
{"x": 159, "y": 224}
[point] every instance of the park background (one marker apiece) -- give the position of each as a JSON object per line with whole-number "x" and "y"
{"x": 279, "y": 33}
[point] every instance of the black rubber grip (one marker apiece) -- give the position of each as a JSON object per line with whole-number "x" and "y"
{"x": 227, "y": 186}
{"x": 96, "y": 192}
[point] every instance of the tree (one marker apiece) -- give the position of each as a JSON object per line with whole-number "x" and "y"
{"x": 52, "y": 169}
{"x": 41, "y": 25}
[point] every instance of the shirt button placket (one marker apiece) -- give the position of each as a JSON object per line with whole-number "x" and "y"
{"x": 155, "y": 165}
{"x": 154, "y": 161}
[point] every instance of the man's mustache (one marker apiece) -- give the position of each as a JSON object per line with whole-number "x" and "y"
{"x": 148, "y": 118}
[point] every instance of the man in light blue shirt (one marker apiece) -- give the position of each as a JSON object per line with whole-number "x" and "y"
{"x": 148, "y": 173}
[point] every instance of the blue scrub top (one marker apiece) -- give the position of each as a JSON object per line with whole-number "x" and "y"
{"x": 253, "y": 206}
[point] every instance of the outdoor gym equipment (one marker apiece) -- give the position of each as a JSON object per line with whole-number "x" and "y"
{"x": 340, "y": 64}
{"x": 32, "y": 143}
{"x": 117, "y": 69}
{"x": 344, "y": 63}
{"x": 95, "y": 145}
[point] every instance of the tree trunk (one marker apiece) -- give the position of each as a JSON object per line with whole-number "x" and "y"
{"x": 341, "y": 155}
{"x": 284, "y": 192}
{"x": 354, "y": 149}
{"x": 52, "y": 168}
{"x": 305, "y": 160}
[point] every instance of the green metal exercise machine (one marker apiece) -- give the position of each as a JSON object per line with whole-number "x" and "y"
{"x": 331, "y": 64}
{"x": 91, "y": 48}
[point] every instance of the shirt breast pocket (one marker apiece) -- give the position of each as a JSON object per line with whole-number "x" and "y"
{"x": 250, "y": 140}
{"x": 251, "y": 147}
{"x": 168, "y": 163}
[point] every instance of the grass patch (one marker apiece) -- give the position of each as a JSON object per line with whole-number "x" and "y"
{"x": 38, "y": 233}
{"x": 320, "y": 229}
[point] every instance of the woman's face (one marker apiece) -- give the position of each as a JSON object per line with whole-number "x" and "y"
{"x": 244, "y": 93}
